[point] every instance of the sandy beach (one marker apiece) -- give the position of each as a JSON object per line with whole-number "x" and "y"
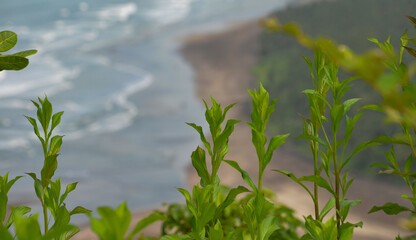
{"x": 222, "y": 64}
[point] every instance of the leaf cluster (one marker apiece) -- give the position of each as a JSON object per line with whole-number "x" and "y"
{"x": 15, "y": 61}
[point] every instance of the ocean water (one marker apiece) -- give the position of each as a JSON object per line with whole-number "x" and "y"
{"x": 114, "y": 68}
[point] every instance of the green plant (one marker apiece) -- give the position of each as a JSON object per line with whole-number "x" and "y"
{"x": 114, "y": 223}
{"x": 178, "y": 218}
{"x": 391, "y": 78}
{"x": 47, "y": 190}
{"x": 260, "y": 223}
{"x": 205, "y": 203}
{"x": 213, "y": 211}
{"x": 399, "y": 75}
{"x": 15, "y": 61}
{"x": 329, "y": 144}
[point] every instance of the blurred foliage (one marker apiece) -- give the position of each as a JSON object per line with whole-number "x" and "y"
{"x": 178, "y": 218}
{"x": 351, "y": 22}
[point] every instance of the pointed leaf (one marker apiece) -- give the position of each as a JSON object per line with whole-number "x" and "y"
{"x": 244, "y": 174}
{"x": 358, "y": 149}
{"x": 313, "y": 138}
{"x": 275, "y": 142}
{"x": 48, "y": 169}
{"x": 69, "y": 188}
{"x": 25, "y": 53}
{"x": 56, "y": 119}
{"x": 201, "y": 134}
{"x": 390, "y": 208}
{"x": 320, "y": 181}
{"x": 349, "y": 103}
{"x": 327, "y": 208}
{"x": 292, "y": 176}
{"x": 229, "y": 199}
{"x": 16, "y": 211}
{"x": 55, "y": 145}
{"x": 79, "y": 210}
{"x": 142, "y": 224}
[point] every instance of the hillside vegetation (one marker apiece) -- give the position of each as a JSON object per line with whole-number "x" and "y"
{"x": 285, "y": 74}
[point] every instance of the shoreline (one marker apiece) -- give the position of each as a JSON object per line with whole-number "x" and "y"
{"x": 222, "y": 63}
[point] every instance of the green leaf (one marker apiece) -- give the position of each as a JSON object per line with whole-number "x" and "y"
{"x": 55, "y": 145}
{"x": 229, "y": 199}
{"x": 11, "y": 183}
{"x": 275, "y": 142}
{"x": 358, "y": 149}
{"x": 350, "y": 126}
{"x": 268, "y": 226}
{"x": 175, "y": 237}
{"x": 408, "y": 164}
{"x": 113, "y": 224}
{"x": 201, "y": 134}
{"x": 38, "y": 186}
{"x": 383, "y": 165}
{"x": 16, "y": 211}
{"x": 337, "y": 113}
{"x": 3, "y": 206}
{"x": 69, "y": 188}
{"x": 200, "y": 165}
{"x": 46, "y": 113}
{"x": 188, "y": 199}
{"x": 48, "y": 169}
{"x": 56, "y": 119}
{"x": 142, "y": 224}
{"x": 9, "y": 62}
{"x": 34, "y": 124}
{"x": 372, "y": 107}
{"x": 5, "y": 234}
{"x": 292, "y": 176}
{"x": 320, "y": 181}
{"x": 390, "y": 209}
{"x": 346, "y": 205}
{"x": 315, "y": 94}
{"x": 62, "y": 219}
{"x": 349, "y": 103}
{"x": 313, "y": 138}
{"x": 25, "y": 53}
{"x": 389, "y": 140}
{"x": 310, "y": 65}
{"x": 8, "y": 40}
{"x": 28, "y": 228}
{"x": 79, "y": 210}
{"x": 244, "y": 174}
{"x": 65, "y": 232}
{"x": 216, "y": 233}
{"x": 327, "y": 208}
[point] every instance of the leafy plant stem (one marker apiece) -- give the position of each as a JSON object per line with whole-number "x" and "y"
{"x": 316, "y": 172}
{"x": 45, "y": 217}
{"x": 337, "y": 182}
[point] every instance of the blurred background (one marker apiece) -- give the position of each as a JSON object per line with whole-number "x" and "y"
{"x": 123, "y": 72}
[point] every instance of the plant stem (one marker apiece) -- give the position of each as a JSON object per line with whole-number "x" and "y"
{"x": 315, "y": 186}
{"x": 337, "y": 182}
{"x": 45, "y": 217}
